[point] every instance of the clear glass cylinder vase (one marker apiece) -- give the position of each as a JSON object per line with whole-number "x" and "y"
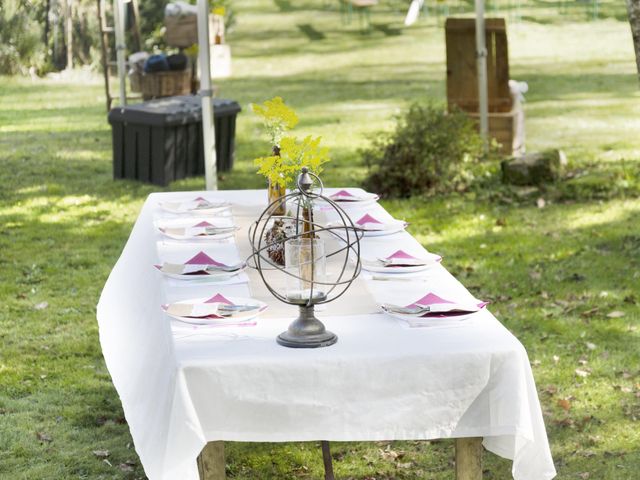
{"x": 305, "y": 264}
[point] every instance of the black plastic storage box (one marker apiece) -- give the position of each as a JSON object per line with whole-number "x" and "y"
{"x": 161, "y": 140}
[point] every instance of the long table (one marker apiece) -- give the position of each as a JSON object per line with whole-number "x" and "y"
{"x": 181, "y": 389}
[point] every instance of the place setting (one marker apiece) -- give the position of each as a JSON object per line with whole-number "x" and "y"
{"x": 373, "y": 224}
{"x": 201, "y": 267}
{"x": 196, "y": 206}
{"x": 433, "y": 310}
{"x": 400, "y": 262}
{"x": 214, "y": 228}
{"x": 216, "y": 310}
{"x": 350, "y": 198}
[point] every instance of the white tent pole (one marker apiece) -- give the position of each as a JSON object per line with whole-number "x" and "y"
{"x": 208, "y": 127}
{"x": 481, "y": 55}
{"x": 118, "y": 20}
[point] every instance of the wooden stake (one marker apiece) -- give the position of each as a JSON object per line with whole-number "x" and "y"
{"x": 326, "y": 459}
{"x": 211, "y": 464}
{"x": 469, "y": 458}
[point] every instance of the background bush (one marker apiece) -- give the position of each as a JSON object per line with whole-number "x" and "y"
{"x": 429, "y": 150}
{"x": 20, "y": 38}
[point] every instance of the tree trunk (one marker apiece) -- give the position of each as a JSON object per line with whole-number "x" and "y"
{"x": 69, "y": 32}
{"x": 633, "y": 9}
{"x": 47, "y": 26}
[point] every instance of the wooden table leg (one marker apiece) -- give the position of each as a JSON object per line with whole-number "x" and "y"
{"x": 328, "y": 462}
{"x": 211, "y": 463}
{"x": 469, "y": 458}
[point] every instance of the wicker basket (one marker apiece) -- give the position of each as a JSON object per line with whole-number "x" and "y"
{"x": 165, "y": 84}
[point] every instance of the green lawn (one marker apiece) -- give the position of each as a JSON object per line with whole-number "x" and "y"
{"x": 564, "y": 278}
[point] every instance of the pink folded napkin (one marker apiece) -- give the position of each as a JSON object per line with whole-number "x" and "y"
{"x": 347, "y": 196}
{"x": 400, "y": 258}
{"x": 201, "y": 229}
{"x": 200, "y": 264}
{"x": 219, "y": 298}
{"x": 370, "y": 223}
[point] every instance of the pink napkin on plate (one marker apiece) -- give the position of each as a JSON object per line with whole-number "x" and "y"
{"x": 442, "y": 308}
{"x": 400, "y": 258}
{"x": 197, "y": 265}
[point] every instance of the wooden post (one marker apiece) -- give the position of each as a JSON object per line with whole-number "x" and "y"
{"x": 211, "y": 464}
{"x": 326, "y": 459}
{"x": 469, "y": 458}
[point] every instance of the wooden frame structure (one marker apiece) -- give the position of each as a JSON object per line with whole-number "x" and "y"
{"x": 468, "y": 465}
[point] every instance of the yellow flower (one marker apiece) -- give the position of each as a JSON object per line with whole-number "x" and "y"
{"x": 284, "y": 169}
{"x": 277, "y": 118}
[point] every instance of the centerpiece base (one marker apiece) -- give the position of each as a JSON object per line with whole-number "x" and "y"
{"x": 307, "y": 332}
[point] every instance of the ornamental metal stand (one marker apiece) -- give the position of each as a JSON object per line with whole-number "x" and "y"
{"x": 305, "y": 259}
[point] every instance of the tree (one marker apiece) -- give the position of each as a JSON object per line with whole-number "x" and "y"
{"x": 633, "y": 10}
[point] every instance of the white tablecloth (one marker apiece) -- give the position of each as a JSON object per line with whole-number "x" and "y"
{"x": 181, "y": 388}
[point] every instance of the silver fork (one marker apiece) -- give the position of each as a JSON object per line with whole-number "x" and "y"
{"x": 417, "y": 310}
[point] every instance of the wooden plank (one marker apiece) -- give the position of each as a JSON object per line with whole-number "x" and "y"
{"x": 469, "y": 458}
{"x": 462, "y": 84}
{"x": 211, "y": 463}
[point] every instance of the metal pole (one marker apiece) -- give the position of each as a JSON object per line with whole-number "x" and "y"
{"x": 118, "y": 20}
{"x": 208, "y": 128}
{"x": 481, "y": 55}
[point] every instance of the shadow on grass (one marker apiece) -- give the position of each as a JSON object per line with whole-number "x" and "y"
{"x": 387, "y": 29}
{"x": 311, "y": 33}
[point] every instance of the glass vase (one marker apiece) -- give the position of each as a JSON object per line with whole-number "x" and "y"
{"x": 276, "y": 191}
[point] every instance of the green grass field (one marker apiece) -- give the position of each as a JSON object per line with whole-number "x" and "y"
{"x": 564, "y": 278}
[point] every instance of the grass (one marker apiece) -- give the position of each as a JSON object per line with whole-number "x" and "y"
{"x": 555, "y": 274}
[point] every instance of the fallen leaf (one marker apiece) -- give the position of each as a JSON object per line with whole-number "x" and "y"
{"x": 43, "y": 437}
{"x": 565, "y": 404}
{"x": 565, "y": 422}
{"x": 125, "y": 467}
{"x": 582, "y": 373}
{"x": 404, "y": 465}
{"x": 551, "y": 390}
{"x": 590, "y": 312}
{"x": 541, "y": 203}
{"x": 101, "y": 453}
{"x": 41, "y": 305}
{"x": 590, "y": 346}
{"x": 584, "y": 475}
{"x": 615, "y": 314}
{"x": 535, "y": 275}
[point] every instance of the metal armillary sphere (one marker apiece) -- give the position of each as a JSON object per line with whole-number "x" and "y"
{"x": 309, "y": 246}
